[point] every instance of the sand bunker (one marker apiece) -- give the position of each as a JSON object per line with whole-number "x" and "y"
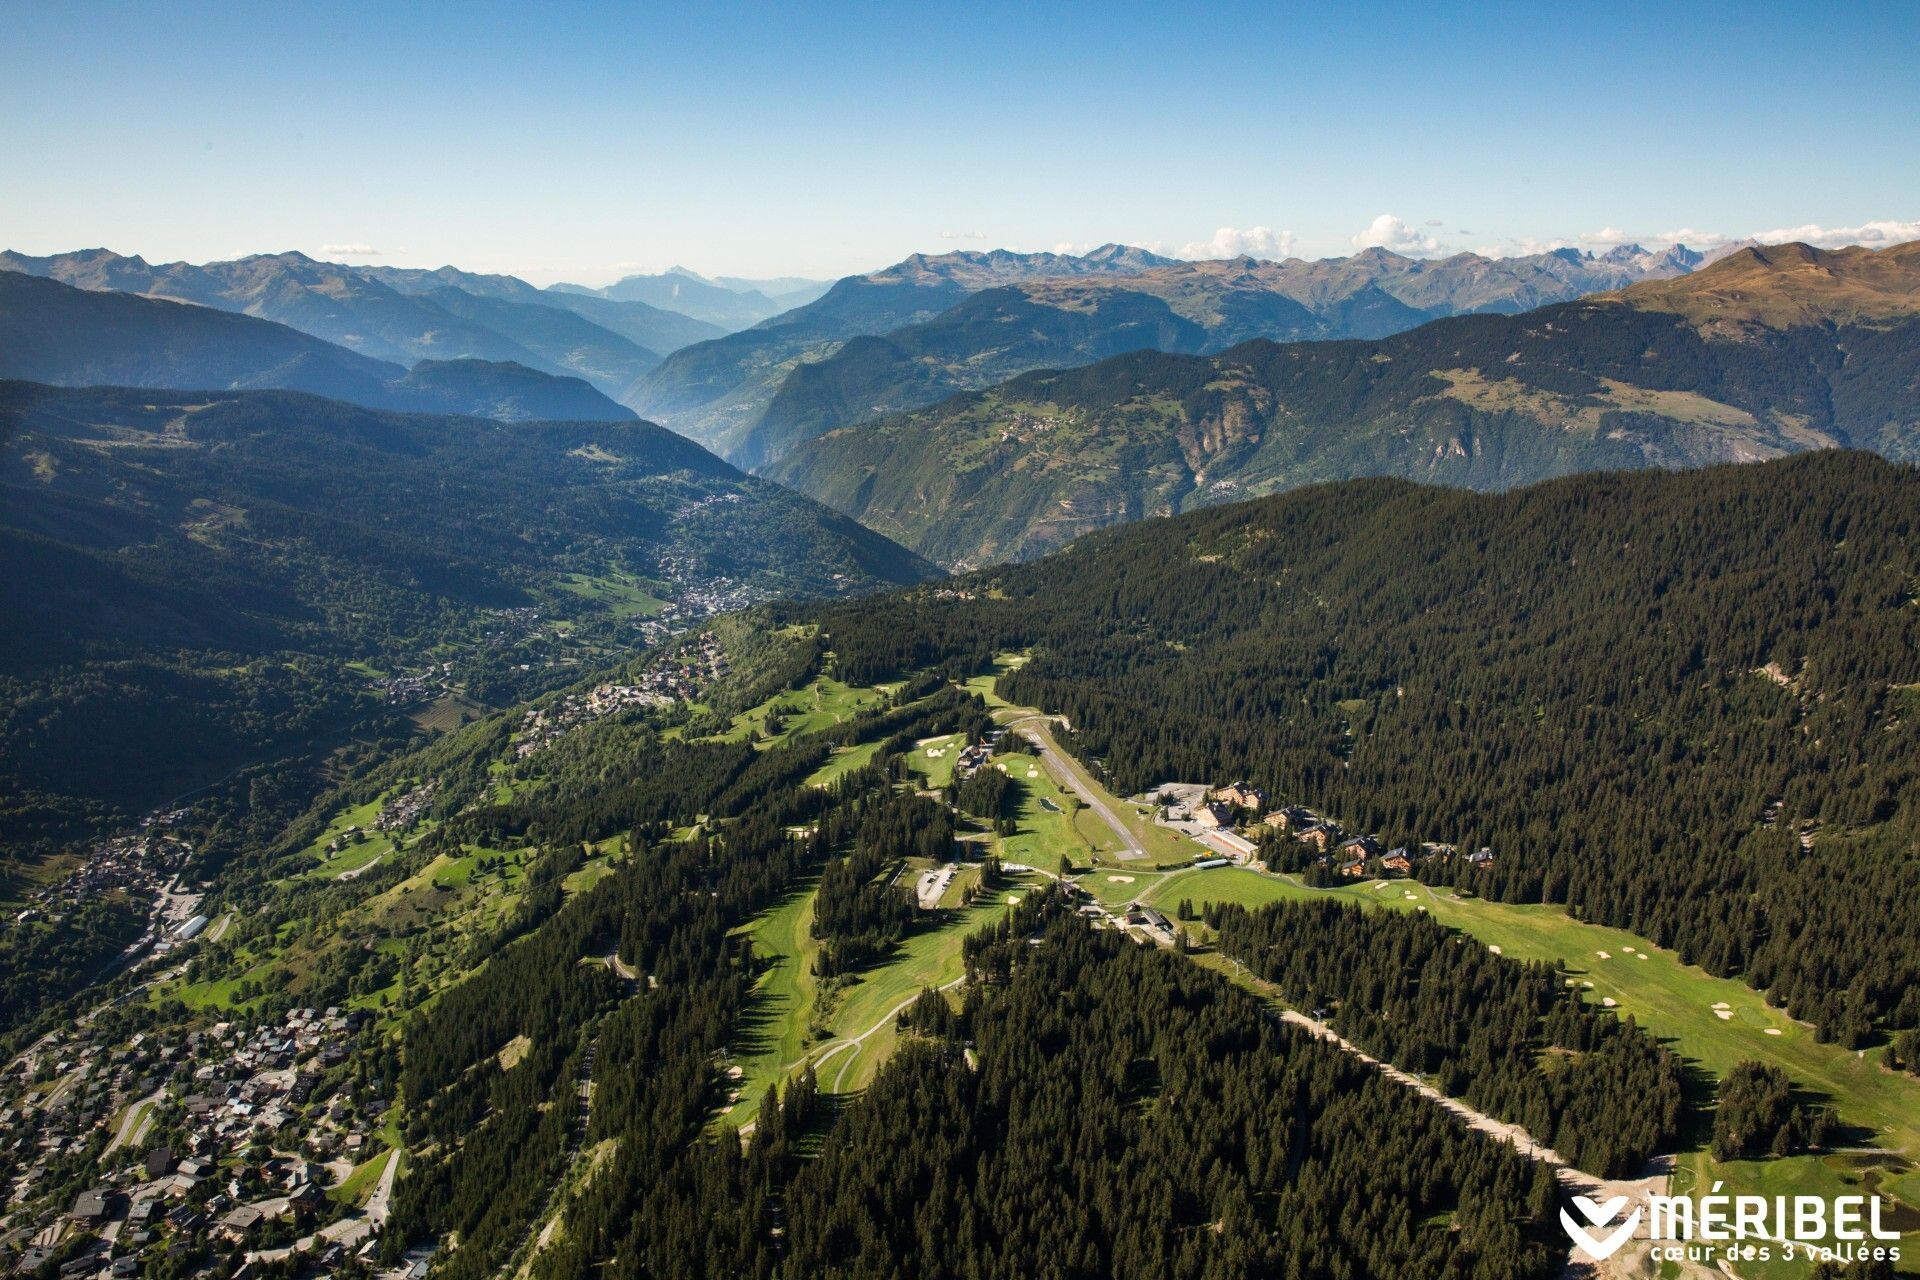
{"x": 1725, "y": 1015}
{"x": 1603, "y": 955}
{"x": 1773, "y": 1031}
{"x": 1119, "y": 879}
{"x": 1609, "y": 1001}
{"x": 1495, "y": 950}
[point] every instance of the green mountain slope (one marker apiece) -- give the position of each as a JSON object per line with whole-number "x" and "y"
{"x": 1680, "y": 703}
{"x": 1628, "y": 380}
{"x": 1190, "y": 307}
{"x": 1011, "y": 313}
{"x": 55, "y": 333}
{"x": 187, "y": 574}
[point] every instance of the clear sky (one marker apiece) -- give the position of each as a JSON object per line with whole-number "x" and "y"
{"x": 589, "y": 141}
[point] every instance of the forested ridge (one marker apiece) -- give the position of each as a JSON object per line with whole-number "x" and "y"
{"x": 186, "y": 574}
{"x": 490, "y": 1148}
{"x": 1511, "y": 1038}
{"x": 1127, "y": 1114}
{"x": 1209, "y": 1138}
{"x": 1681, "y": 704}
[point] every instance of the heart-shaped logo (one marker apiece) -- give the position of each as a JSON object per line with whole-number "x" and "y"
{"x": 1597, "y": 1215}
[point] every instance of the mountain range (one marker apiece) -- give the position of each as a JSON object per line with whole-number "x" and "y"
{"x": 726, "y": 303}
{"x": 1766, "y": 351}
{"x": 54, "y": 333}
{"x": 918, "y": 331}
{"x": 403, "y": 315}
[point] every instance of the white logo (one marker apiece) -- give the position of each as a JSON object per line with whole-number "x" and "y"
{"x": 1598, "y": 1215}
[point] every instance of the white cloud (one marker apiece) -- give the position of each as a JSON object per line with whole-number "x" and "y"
{"x": 1389, "y": 232}
{"x": 963, "y": 235}
{"x": 1692, "y": 237}
{"x": 1234, "y": 242}
{"x": 1523, "y": 247}
{"x": 349, "y": 251}
{"x": 1607, "y": 238}
{"x": 1874, "y": 235}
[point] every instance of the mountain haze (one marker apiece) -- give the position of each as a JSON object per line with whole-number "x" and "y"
{"x": 725, "y": 305}
{"x": 55, "y": 333}
{"x": 401, "y": 315}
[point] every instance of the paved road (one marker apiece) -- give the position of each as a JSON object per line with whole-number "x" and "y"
{"x": 378, "y": 1203}
{"x": 1033, "y": 729}
{"x": 136, "y": 1116}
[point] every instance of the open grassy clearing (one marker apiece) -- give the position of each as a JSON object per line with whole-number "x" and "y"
{"x": 624, "y": 595}
{"x": 986, "y": 685}
{"x": 1045, "y": 830}
{"x": 844, "y": 761}
{"x": 788, "y": 997}
{"x": 930, "y": 958}
{"x": 823, "y": 703}
{"x": 447, "y": 712}
{"x": 1164, "y": 847}
{"x": 357, "y": 1187}
{"x": 1675, "y": 1001}
{"x": 375, "y": 844}
{"x": 932, "y": 759}
{"x": 774, "y": 1031}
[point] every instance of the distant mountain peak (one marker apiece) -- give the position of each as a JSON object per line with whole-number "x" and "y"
{"x": 1783, "y": 285}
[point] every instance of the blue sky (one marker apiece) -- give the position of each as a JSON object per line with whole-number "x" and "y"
{"x": 588, "y": 141}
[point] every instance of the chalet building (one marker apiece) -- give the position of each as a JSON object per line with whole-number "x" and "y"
{"x": 1360, "y": 847}
{"x": 1242, "y": 795}
{"x": 1397, "y": 860}
{"x": 1321, "y": 836}
{"x": 1213, "y": 815}
{"x": 1292, "y": 818}
{"x": 93, "y": 1207}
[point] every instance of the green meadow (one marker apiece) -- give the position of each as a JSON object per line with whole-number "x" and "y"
{"x": 624, "y": 595}
{"x": 789, "y": 1000}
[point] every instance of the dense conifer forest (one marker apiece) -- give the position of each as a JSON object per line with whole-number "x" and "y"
{"x": 1511, "y": 1038}
{"x": 1681, "y": 704}
{"x": 1211, "y": 1138}
{"x": 1123, "y": 1113}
